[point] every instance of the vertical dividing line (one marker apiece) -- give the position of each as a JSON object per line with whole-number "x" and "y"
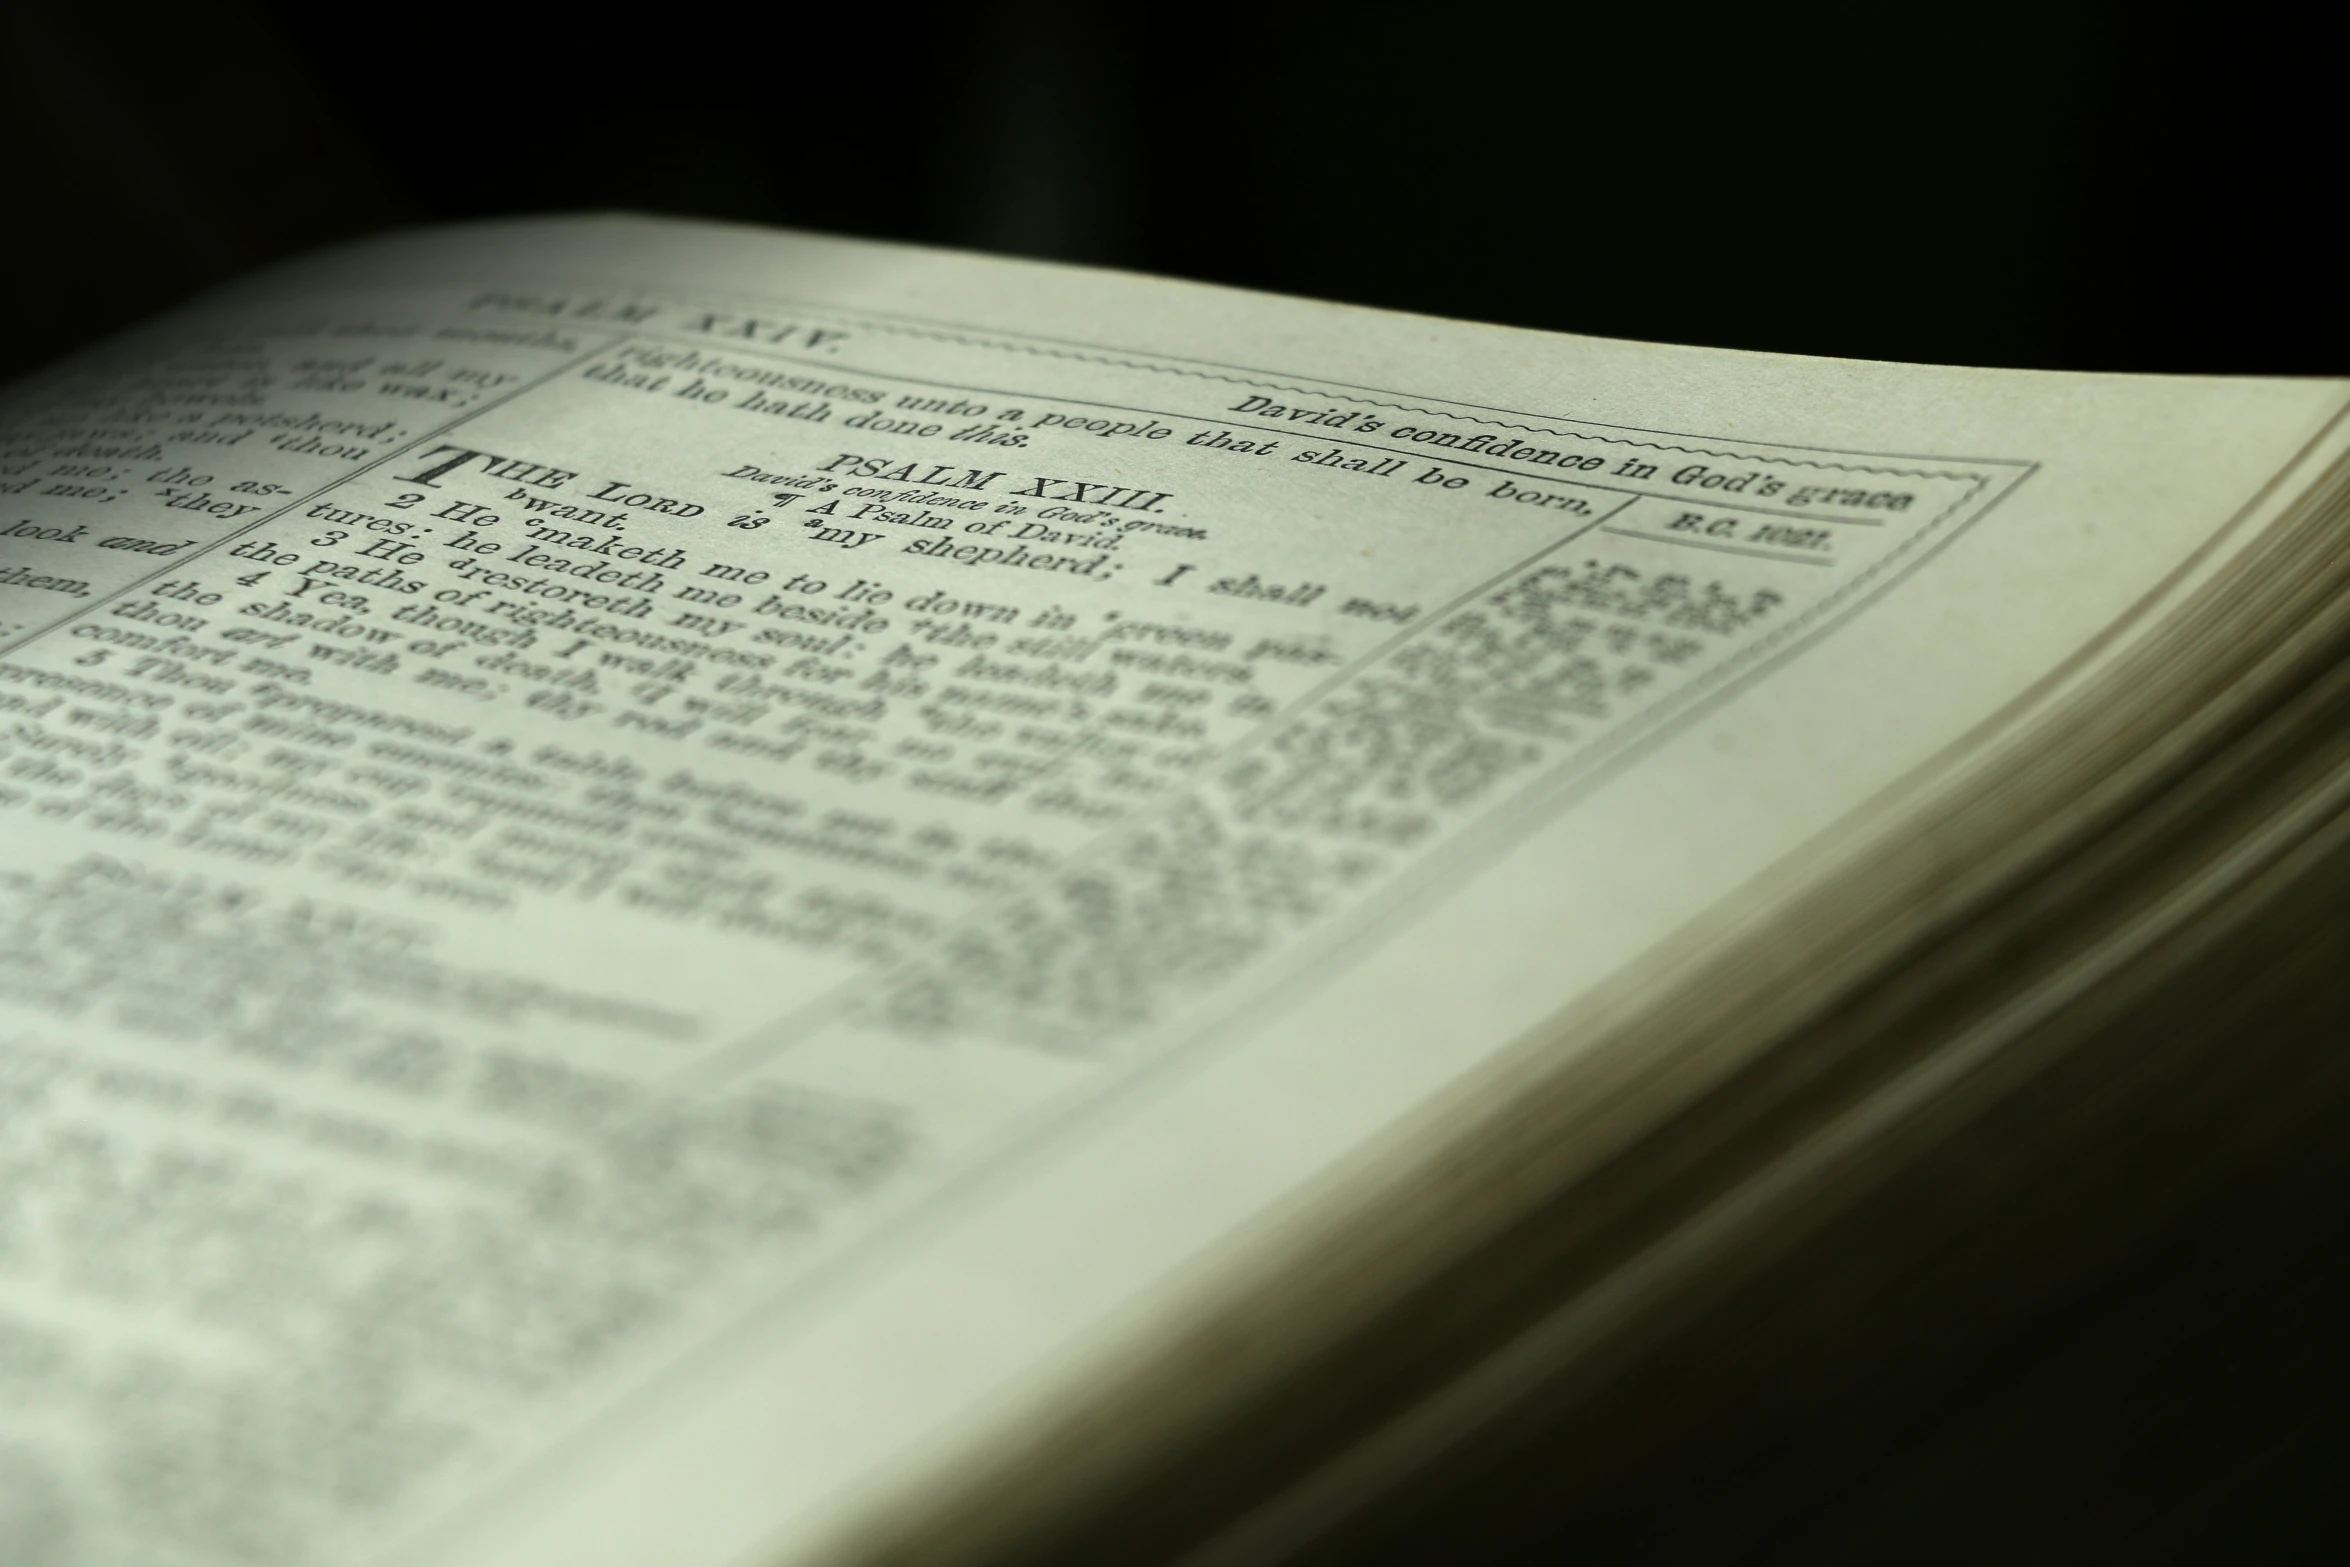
{"x": 180, "y": 563}
{"x": 1405, "y": 634}
{"x": 729, "y": 1062}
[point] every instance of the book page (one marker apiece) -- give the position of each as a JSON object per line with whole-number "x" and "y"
{"x": 657, "y": 875}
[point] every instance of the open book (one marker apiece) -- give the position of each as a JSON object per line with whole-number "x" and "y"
{"x": 686, "y": 896}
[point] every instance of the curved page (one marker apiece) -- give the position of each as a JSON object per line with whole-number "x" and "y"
{"x": 659, "y": 877}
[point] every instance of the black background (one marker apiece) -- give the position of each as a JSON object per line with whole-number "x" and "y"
{"x": 2048, "y": 183}
{"x": 2056, "y": 184}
